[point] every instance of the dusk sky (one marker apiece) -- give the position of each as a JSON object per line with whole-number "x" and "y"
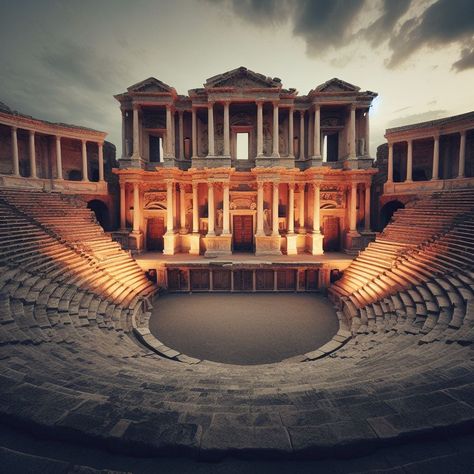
{"x": 64, "y": 60}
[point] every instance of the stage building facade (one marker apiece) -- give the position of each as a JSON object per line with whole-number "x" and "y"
{"x": 243, "y": 164}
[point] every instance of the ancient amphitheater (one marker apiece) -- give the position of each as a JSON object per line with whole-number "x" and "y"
{"x": 83, "y": 382}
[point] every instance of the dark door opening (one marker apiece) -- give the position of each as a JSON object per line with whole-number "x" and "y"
{"x": 332, "y": 147}
{"x": 155, "y": 232}
{"x": 156, "y": 149}
{"x": 331, "y": 232}
{"x": 243, "y": 230}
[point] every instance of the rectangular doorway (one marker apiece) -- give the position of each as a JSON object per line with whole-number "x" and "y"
{"x": 155, "y": 149}
{"x": 331, "y": 232}
{"x": 155, "y": 229}
{"x": 243, "y": 233}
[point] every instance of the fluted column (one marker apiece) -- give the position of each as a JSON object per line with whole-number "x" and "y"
{"x": 226, "y": 129}
{"x": 122, "y": 206}
{"x": 16, "y": 161}
{"x": 194, "y": 133}
{"x": 59, "y": 161}
{"x": 291, "y": 208}
{"x": 390, "y": 164}
{"x": 32, "y": 150}
{"x": 353, "y": 208}
{"x": 101, "y": 161}
{"x": 259, "y": 128}
{"x": 301, "y": 154}
{"x": 136, "y": 207}
{"x": 136, "y": 133}
{"x": 276, "y": 152}
{"x": 210, "y": 210}
{"x": 195, "y": 209}
{"x": 275, "y": 230}
{"x": 462, "y": 154}
{"x": 260, "y": 230}
{"x": 367, "y": 208}
{"x": 352, "y": 133}
{"x": 316, "y": 209}
{"x": 226, "y": 213}
{"x": 85, "y": 172}
{"x": 409, "y": 161}
{"x": 181, "y": 135}
{"x": 301, "y": 220}
{"x": 291, "y": 151}
{"x": 210, "y": 129}
{"x": 182, "y": 207}
{"x": 435, "y": 174}
{"x": 317, "y": 132}
{"x": 169, "y": 207}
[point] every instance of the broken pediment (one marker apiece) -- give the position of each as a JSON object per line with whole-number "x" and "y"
{"x": 151, "y": 85}
{"x": 337, "y": 85}
{"x": 242, "y": 78}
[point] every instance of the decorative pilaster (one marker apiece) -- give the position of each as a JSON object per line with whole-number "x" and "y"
{"x": 291, "y": 237}
{"x": 390, "y": 164}
{"x": 124, "y": 134}
{"x": 315, "y": 238}
{"x": 122, "y": 206}
{"x": 367, "y": 133}
{"x": 136, "y": 134}
{"x": 181, "y": 135}
{"x": 260, "y": 230}
{"x": 182, "y": 209}
{"x": 210, "y": 129}
{"x": 226, "y": 208}
{"x": 435, "y": 174}
{"x": 226, "y": 129}
{"x": 170, "y": 235}
{"x": 317, "y": 132}
{"x": 32, "y": 152}
{"x": 301, "y": 219}
{"x": 367, "y": 208}
{"x": 169, "y": 133}
{"x": 194, "y": 133}
{"x": 136, "y": 208}
{"x": 195, "y": 237}
{"x": 275, "y": 230}
{"x": 352, "y": 133}
{"x": 462, "y": 154}
{"x": 59, "y": 161}
{"x": 353, "y": 208}
{"x": 85, "y": 172}
{"x": 291, "y": 152}
{"x": 409, "y": 161}
{"x": 16, "y": 161}
{"x": 276, "y": 153}
{"x": 259, "y": 128}
{"x": 210, "y": 210}
{"x": 101, "y": 161}
{"x": 301, "y": 151}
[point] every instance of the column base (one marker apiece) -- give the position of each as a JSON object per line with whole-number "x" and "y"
{"x": 170, "y": 243}
{"x": 353, "y": 242}
{"x": 267, "y": 245}
{"x": 314, "y": 243}
{"x": 135, "y": 240}
{"x": 291, "y": 244}
{"x": 195, "y": 244}
{"x": 218, "y": 245}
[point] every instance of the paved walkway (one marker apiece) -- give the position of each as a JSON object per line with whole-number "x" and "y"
{"x": 244, "y": 328}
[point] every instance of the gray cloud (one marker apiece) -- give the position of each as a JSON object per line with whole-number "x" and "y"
{"x": 466, "y": 61}
{"x": 417, "y": 118}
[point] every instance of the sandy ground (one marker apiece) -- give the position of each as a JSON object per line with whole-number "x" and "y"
{"x": 244, "y": 328}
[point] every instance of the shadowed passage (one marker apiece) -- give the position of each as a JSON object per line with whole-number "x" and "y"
{"x": 244, "y": 328}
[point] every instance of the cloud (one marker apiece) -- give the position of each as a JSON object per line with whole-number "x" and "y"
{"x": 417, "y": 118}
{"x": 466, "y": 60}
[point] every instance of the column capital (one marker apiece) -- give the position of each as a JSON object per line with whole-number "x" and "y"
{"x": 462, "y": 132}
{"x": 259, "y": 101}
{"x": 276, "y": 103}
{"x": 353, "y": 106}
{"x": 31, "y": 132}
{"x": 301, "y": 186}
{"x": 302, "y": 112}
{"x": 14, "y": 128}
{"x": 210, "y": 104}
{"x": 317, "y": 106}
{"x": 291, "y": 185}
{"x": 83, "y": 141}
{"x": 436, "y": 136}
{"x": 260, "y": 184}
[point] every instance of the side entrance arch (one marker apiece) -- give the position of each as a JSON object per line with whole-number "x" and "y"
{"x": 388, "y": 210}
{"x": 101, "y": 211}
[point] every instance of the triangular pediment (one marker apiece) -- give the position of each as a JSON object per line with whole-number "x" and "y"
{"x": 151, "y": 85}
{"x": 242, "y": 78}
{"x": 337, "y": 85}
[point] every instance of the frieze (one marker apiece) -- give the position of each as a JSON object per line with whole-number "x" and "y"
{"x": 333, "y": 196}
{"x": 154, "y": 200}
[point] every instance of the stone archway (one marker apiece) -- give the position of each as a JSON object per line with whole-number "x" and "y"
{"x": 101, "y": 211}
{"x": 388, "y": 210}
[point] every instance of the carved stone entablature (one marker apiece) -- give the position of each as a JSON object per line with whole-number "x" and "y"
{"x": 332, "y": 121}
{"x": 332, "y": 197}
{"x": 241, "y": 118}
{"x": 242, "y": 200}
{"x": 242, "y": 78}
{"x": 154, "y": 200}
{"x": 154, "y": 121}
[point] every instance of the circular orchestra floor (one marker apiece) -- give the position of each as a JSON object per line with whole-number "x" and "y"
{"x": 243, "y": 328}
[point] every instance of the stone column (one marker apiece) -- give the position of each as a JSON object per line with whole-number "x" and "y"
{"x": 367, "y": 133}
{"x": 353, "y": 209}
{"x": 210, "y": 129}
{"x": 226, "y": 129}
{"x": 101, "y": 161}
{"x": 124, "y": 134}
{"x": 226, "y": 216}
{"x": 169, "y": 207}
{"x": 302, "y": 156}
{"x": 301, "y": 223}
{"x": 195, "y": 209}
{"x": 16, "y": 160}
{"x": 182, "y": 208}
{"x": 210, "y": 210}
{"x": 85, "y": 171}
{"x": 122, "y": 206}
{"x": 260, "y": 229}
{"x": 367, "y": 208}
{"x": 316, "y": 209}
{"x": 435, "y": 173}
{"x": 291, "y": 152}
{"x": 181, "y": 135}
{"x": 59, "y": 161}
{"x": 136, "y": 133}
{"x": 409, "y": 161}
{"x": 462, "y": 154}
{"x": 259, "y": 128}
{"x": 32, "y": 151}
{"x": 275, "y": 230}
{"x": 390, "y": 164}
{"x": 352, "y": 133}
{"x": 276, "y": 153}
{"x": 194, "y": 133}
{"x": 136, "y": 207}
{"x": 317, "y": 132}
{"x": 291, "y": 208}
{"x": 169, "y": 139}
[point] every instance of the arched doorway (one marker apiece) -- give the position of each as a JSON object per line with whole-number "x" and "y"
{"x": 101, "y": 212}
{"x": 388, "y": 210}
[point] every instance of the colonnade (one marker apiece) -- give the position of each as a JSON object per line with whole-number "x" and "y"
{"x": 59, "y": 161}
{"x": 435, "y": 158}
